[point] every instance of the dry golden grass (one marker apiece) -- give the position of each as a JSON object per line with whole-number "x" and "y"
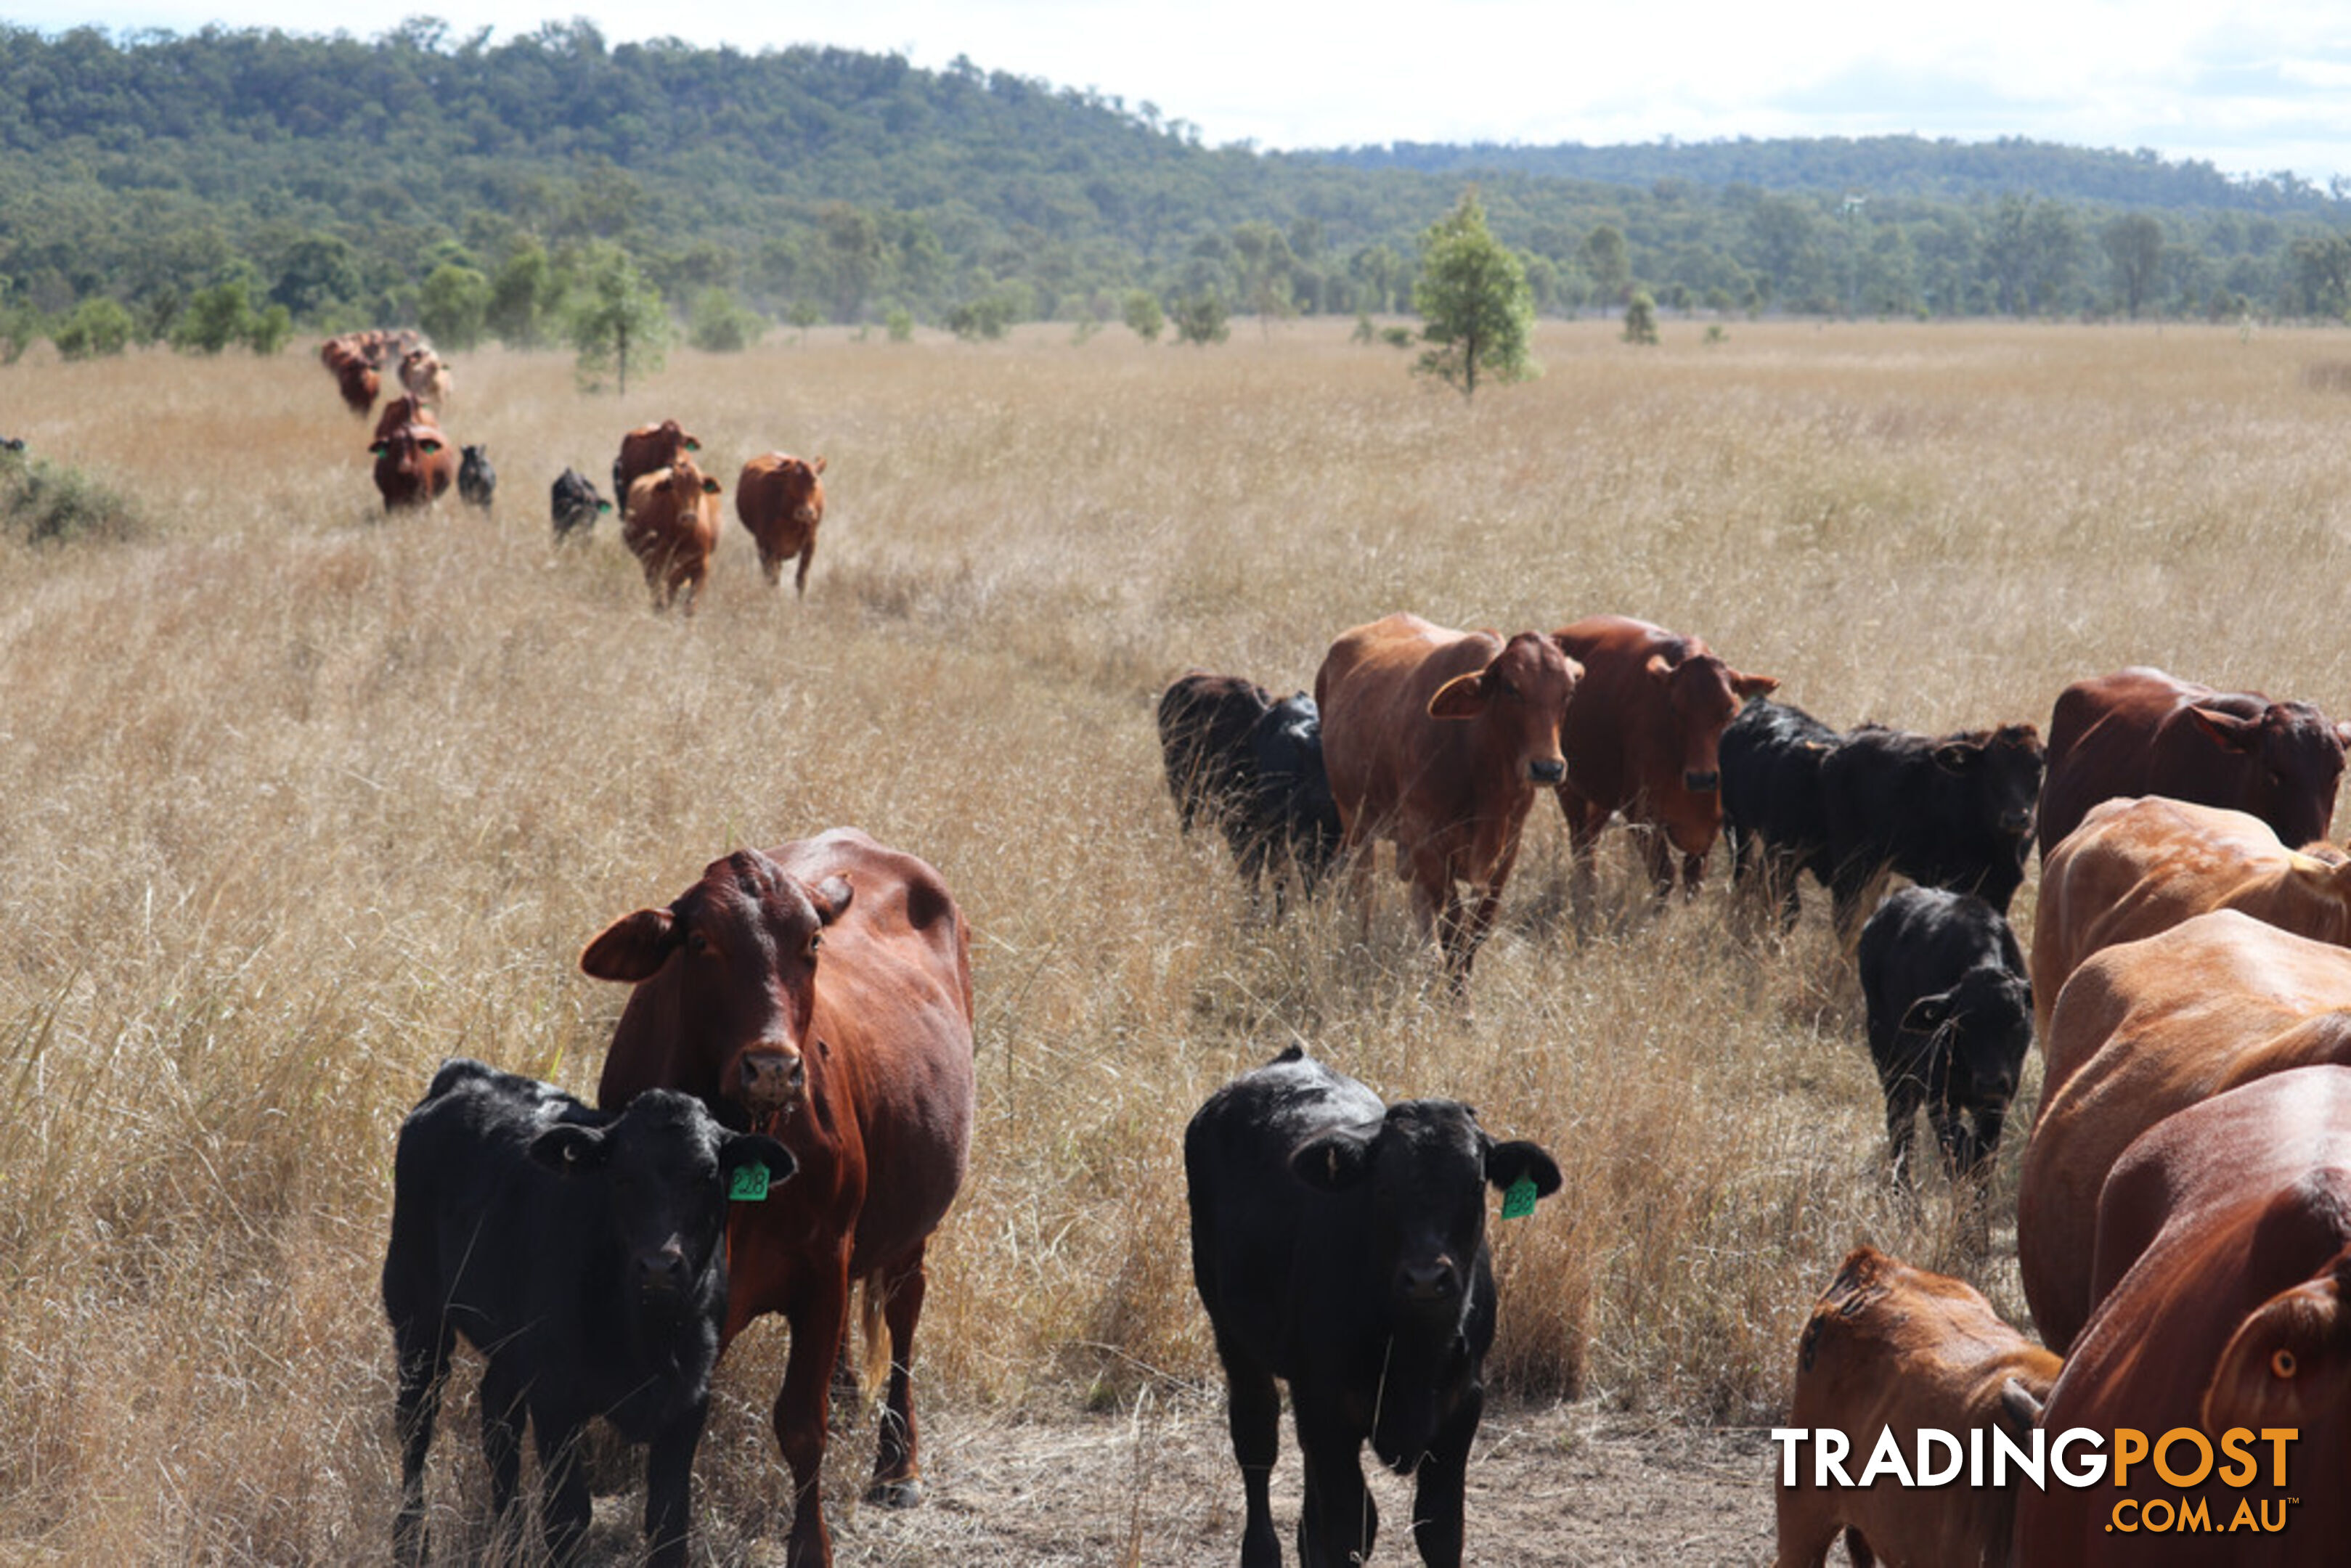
{"x": 294, "y": 803}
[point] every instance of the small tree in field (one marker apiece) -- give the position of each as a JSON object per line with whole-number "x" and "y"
{"x": 1640, "y": 318}
{"x": 616, "y": 317}
{"x": 1473, "y": 299}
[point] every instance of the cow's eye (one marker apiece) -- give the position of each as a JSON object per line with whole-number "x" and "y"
{"x": 697, "y": 944}
{"x": 1503, "y": 688}
{"x": 816, "y": 940}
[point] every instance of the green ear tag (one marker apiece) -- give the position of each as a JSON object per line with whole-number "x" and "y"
{"x": 750, "y": 1185}
{"x": 1519, "y": 1199}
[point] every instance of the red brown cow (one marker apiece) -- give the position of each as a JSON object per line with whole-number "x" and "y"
{"x": 781, "y": 501}
{"x": 1642, "y": 737}
{"x": 2141, "y": 1031}
{"x": 821, "y": 990}
{"x": 2142, "y": 732}
{"x": 1437, "y": 742}
{"x": 355, "y": 377}
{"x": 414, "y": 464}
{"x": 645, "y": 450}
{"x": 670, "y": 524}
{"x": 404, "y": 410}
{"x": 1893, "y": 1348}
{"x": 2224, "y": 1236}
{"x": 2137, "y": 866}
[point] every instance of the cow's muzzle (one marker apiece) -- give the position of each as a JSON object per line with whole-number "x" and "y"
{"x": 1547, "y": 770}
{"x": 773, "y": 1081}
{"x": 2016, "y": 824}
{"x": 1426, "y": 1284}
{"x": 1701, "y": 783}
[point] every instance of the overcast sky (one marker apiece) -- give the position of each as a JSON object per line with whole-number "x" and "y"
{"x": 2253, "y": 87}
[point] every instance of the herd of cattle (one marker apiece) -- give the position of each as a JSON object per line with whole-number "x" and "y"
{"x": 786, "y": 1108}
{"x": 2184, "y": 1205}
{"x": 669, "y": 507}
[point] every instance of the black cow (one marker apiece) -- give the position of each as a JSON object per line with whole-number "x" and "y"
{"x": 1254, "y": 766}
{"x": 575, "y": 504}
{"x": 477, "y": 481}
{"x": 1339, "y": 1244}
{"x": 1772, "y": 810}
{"x": 1954, "y": 810}
{"x": 579, "y": 1251}
{"x": 1950, "y": 1016}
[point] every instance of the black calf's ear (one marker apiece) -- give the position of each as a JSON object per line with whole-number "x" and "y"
{"x": 1332, "y": 1162}
{"x": 1508, "y": 1164}
{"x": 568, "y": 1147}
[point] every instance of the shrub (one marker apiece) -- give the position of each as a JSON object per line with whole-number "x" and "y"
{"x": 1141, "y": 311}
{"x": 1201, "y": 318}
{"x": 99, "y": 327}
{"x": 718, "y": 324}
{"x": 44, "y": 503}
{"x": 1640, "y": 318}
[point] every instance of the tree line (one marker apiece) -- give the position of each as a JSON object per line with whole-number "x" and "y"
{"x": 234, "y": 185}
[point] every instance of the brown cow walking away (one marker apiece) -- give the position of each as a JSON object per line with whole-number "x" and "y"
{"x": 1437, "y": 742}
{"x": 821, "y": 990}
{"x": 780, "y": 499}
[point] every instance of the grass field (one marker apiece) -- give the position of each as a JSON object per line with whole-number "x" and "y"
{"x": 294, "y": 803}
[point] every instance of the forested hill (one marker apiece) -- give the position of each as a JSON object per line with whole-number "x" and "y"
{"x": 1943, "y": 169}
{"x": 385, "y": 179}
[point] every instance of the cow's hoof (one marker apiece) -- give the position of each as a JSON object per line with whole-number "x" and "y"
{"x": 895, "y": 1494}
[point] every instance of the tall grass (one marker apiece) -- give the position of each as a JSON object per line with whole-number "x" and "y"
{"x": 296, "y": 801}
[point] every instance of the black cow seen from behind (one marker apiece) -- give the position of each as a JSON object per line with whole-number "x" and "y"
{"x": 477, "y": 480}
{"x": 579, "y": 1251}
{"x": 1339, "y": 1244}
{"x": 1773, "y": 813}
{"x": 1254, "y": 767}
{"x": 1950, "y": 1018}
{"x": 575, "y": 504}
{"x": 1952, "y": 811}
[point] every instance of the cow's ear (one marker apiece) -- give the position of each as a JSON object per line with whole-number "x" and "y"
{"x": 380, "y": 448}
{"x": 1748, "y": 687}
{"x": 567, "y": 1148}
{"x": 1659, "y": 667}
{"x": 816, "y": 465}
{"x": 2283, "y": 1364}
{"x": 831, "y": 898}
{"x": 1463, "y": 696}
{"x": 741, "y": 1149}
{"x": 632, "y": 948}
{"x": 428, "y": 445}
{"x": 1955, "y": 756}
{"x": 1926, "y": 1014}
{"x": 602, "y": 505}
{"x": 691, "y": 444}
{"x": 1507, "y": 1163}
{"x": 2343, "y": 734}
{"x": 1333, "y": 1162}
{"x": 2232, "y": 733}
{"x": 709, "y": 485}
{"x": 2021, "y": 1408}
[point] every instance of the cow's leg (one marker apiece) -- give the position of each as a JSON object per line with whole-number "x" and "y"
{"x": 1338, "y": 1519}
{"x": 1437, "y": 1499}
{"x": 897, "y": 1466}
{"x": 1253, "y": 1415}
{"x": 502, "y": 1413}
{"x": 799, "y": 578}
{"x": 563, "y": 1509}
{"x": 801, "y": 1406}
{"x": 423, "y": 1342}
{"x": 669, "y": 1485}
{"x": 1904, "y": 1095}
{"x": 1583, "y": 825}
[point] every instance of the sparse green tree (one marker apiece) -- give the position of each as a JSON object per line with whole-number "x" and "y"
{"x": 718, "y": 324}
{"x": 617, "y": 319}
{"x": 453, "y": 307}
{"x": 1202, "y": 318}
{"x": 803, "y": 314}
{"x": 899, "y": 322}
{"x": 1477, "y": 312}
{"x": 2134, "y": 244}
{"x": 265, "y": 331}
{"x": 99, "y": 327}
{"x": 526, "y": 299}
{"x": 1141, "y": 311}
{"x": 1640, "y": 318}
{"x": 213, "y": 319}
{"x": 1609, "y": 261}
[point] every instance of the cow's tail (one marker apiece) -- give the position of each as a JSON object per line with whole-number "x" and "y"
{"x": 874, "y": 1371}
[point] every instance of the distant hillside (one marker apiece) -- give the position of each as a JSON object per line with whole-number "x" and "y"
{"x": 1943, "y": 170}
{"x": 341, "y": 178}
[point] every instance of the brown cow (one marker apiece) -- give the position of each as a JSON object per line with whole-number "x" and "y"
{"x": 821, "y": 990}
{"x": 1642, "y": 737}
{"x": 2145, "y": 1029}
{"x": 1891, "y": 1347}
{"x": 355, "y": 378}
{"x": 2224, "y": 1236}
{"x": 414, "y": 464}
{"x": 2137, "y": 866}
{"x": 781, "y": 502}
{"x": 2142, "y": 732}
{"x": 425, "y": 377}
{"x": 645, "y": 450}
{"x": 404, "y": 410}
{"x": 669, "y": 523}
{"x": 1437, "y": 740}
